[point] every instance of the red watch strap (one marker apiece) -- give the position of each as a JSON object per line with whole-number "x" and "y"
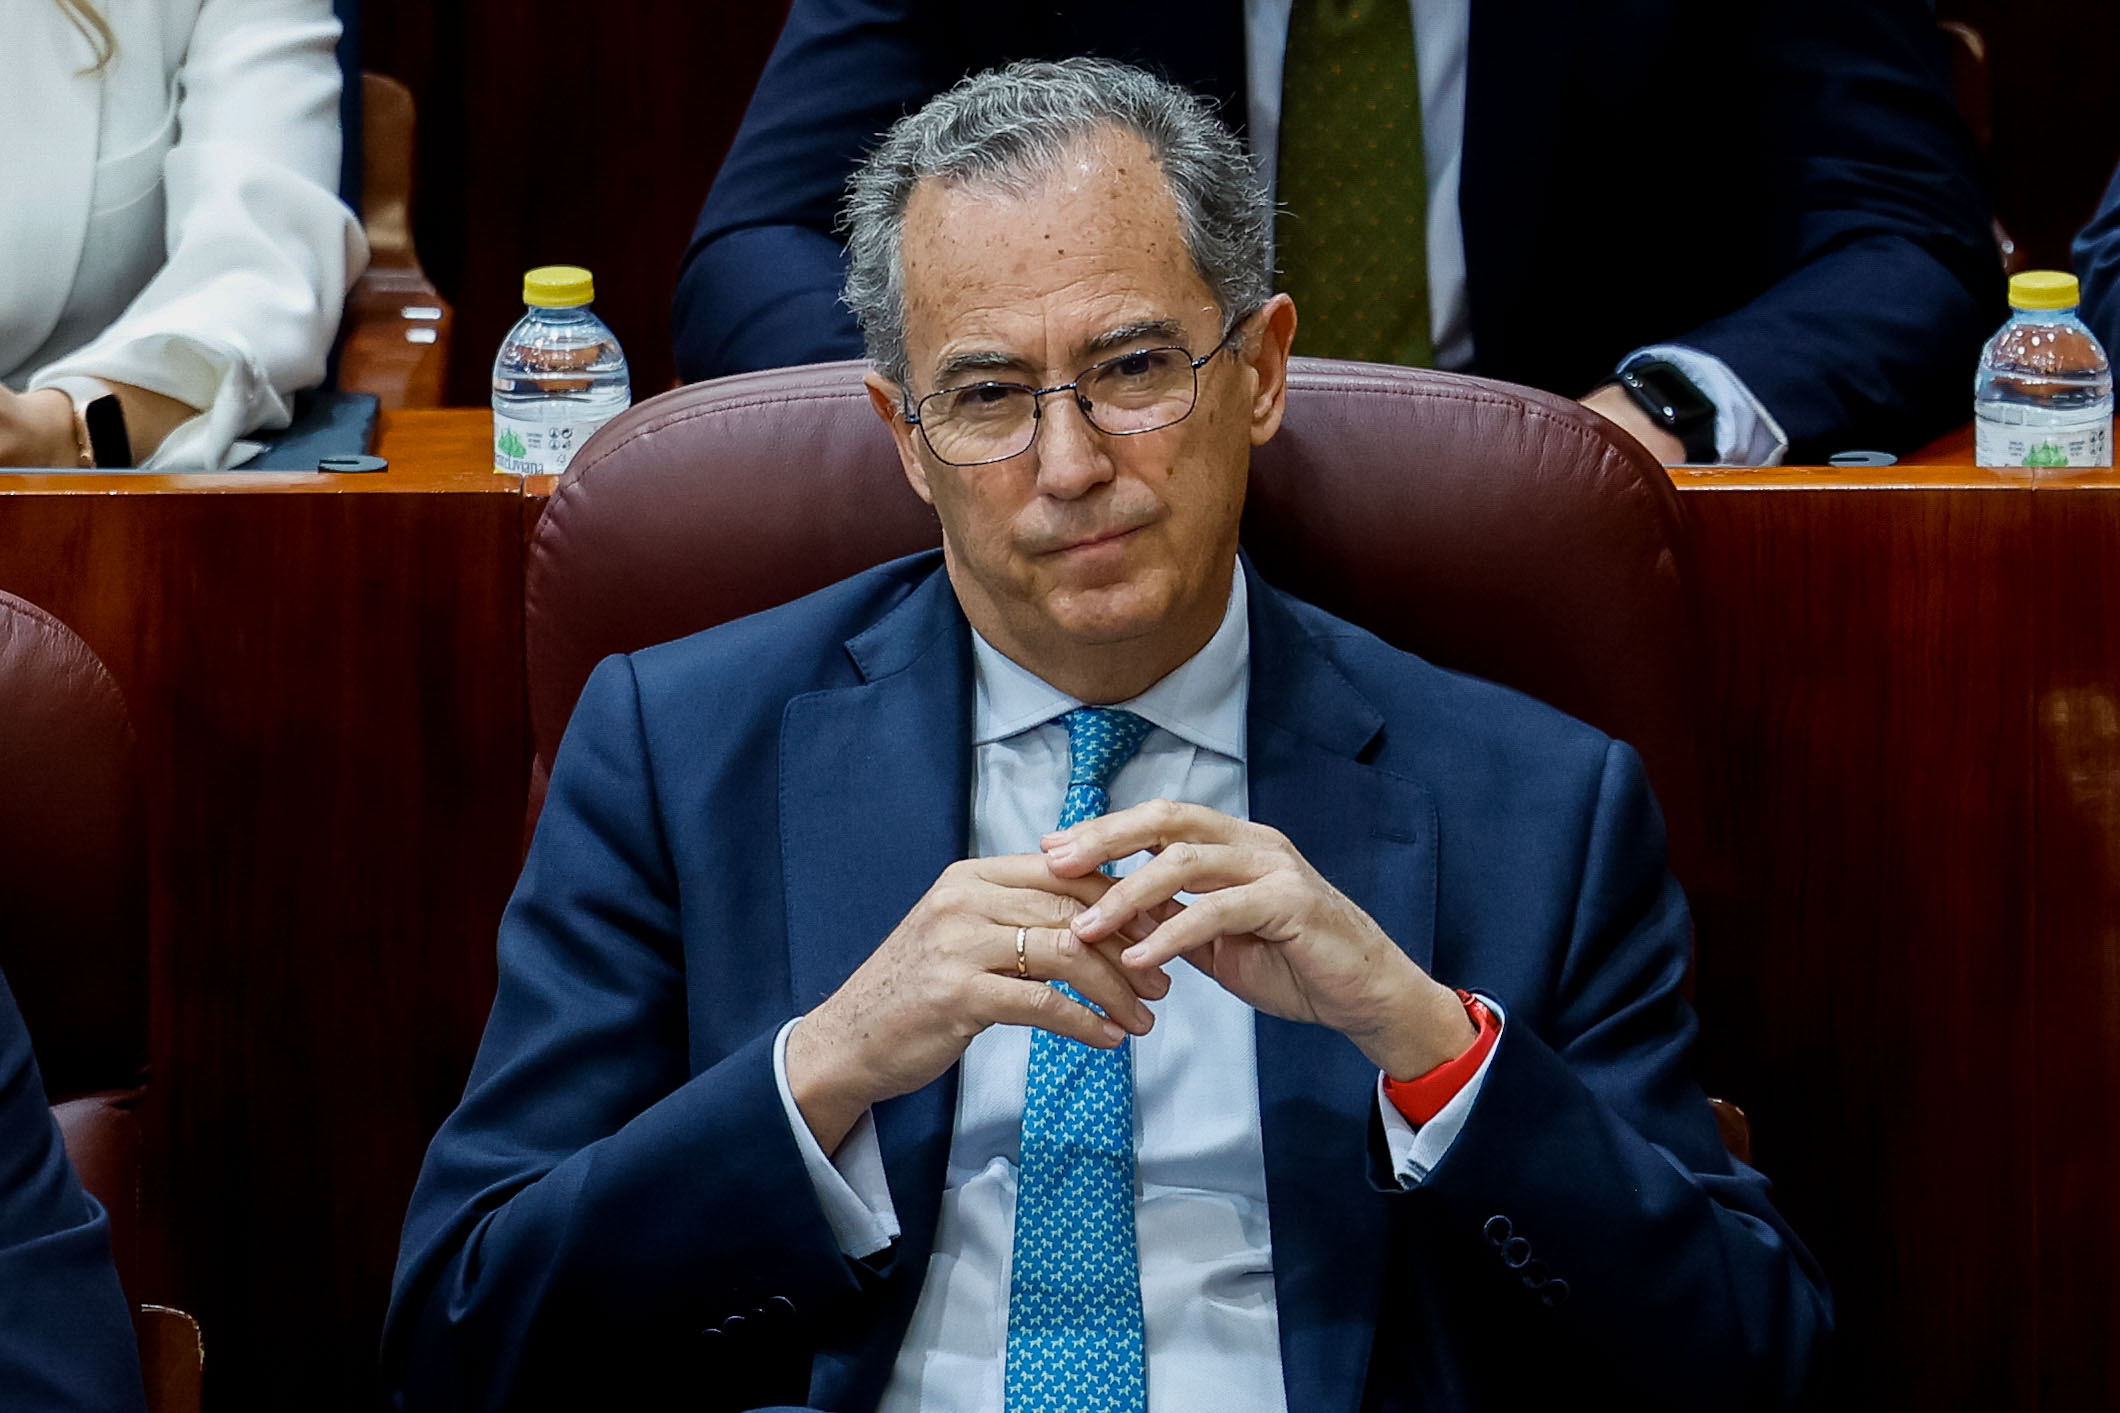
{"x": 1423, "y": 1097}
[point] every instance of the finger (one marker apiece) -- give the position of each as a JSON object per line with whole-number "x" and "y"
{"x": 1255, "y": 909}
{"x": 1021, "y": 872}
{"x": 1150, "y": 983}
{"x": 999, "y": 1000}
{"x": 1057, "y": 954}
{"x": 1154, "y": 826}
{"x": 1137, "y": 927}
{"x": 1184, "y": 867}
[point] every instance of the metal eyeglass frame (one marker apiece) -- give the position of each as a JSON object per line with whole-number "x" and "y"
{"x": 913, "y": 418}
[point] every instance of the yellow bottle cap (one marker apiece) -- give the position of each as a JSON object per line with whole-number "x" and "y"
{"x": 558, "y": 287}
{"x": 2044, "y": 289}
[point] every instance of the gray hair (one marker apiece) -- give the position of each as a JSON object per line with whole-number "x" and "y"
{"x": 1007, "y": 129}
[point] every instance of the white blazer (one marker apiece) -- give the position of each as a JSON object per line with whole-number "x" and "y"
{"x": 173, "y": 221}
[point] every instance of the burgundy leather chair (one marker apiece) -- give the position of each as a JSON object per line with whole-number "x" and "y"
{"x": 74, "y": 942}
{"x": 1488, "y": 527}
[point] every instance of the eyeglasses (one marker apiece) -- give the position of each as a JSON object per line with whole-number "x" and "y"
{"x": 1142, "y": 391}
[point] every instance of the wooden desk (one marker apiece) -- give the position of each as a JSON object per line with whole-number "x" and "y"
{"x": 1905, "y": 975}
{"x": 1911, "y": 984}
{"x": 325, "y": 673}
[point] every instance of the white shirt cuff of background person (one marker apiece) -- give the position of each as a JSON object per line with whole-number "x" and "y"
{"x": 1746, "y": 434}
{"x": 856, "y": 1197}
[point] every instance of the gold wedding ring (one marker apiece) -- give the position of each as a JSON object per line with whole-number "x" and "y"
{"x": 1023, "y": 937}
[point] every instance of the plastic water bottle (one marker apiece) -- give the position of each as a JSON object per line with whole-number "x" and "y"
{"x": 559, "y": 376}
{"x": 2044, "y": 395}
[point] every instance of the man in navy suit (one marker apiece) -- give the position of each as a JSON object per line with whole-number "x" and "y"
{"x": 1772, "y": 205}
{"x": 66, "y": 1339}
{"x": 775, "y": 1103}
{"x": 2097, "y": 255}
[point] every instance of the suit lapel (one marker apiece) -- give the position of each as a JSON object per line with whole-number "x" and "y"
{"x": 1372, "y": 834}
{"x": 876, "y": 802}
{"x": 1513, "y": 87}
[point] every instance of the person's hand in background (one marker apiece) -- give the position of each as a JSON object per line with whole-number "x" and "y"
{"x": 37, "y": 428}
{"x": 1613, "y": 403}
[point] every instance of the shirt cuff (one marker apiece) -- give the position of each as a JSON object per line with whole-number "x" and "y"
{"x": 1416, "y": 1150}
{"x": 1746, "y": 434}
{"x": 851, "y": 1187}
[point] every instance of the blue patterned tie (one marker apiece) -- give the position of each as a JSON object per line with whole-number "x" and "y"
{"x": 1074, "y": 1299}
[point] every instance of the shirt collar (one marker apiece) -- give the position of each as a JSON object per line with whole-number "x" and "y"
{"x": 1202, "y": 700}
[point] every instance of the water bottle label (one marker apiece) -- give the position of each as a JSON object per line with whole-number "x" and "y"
{"x": 2078, "y": 441}
{"x": 528, "y": 446}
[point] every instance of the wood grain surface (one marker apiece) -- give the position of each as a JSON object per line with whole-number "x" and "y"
{"x": 326, "y": 677}
{"x": 1863, "y": 990}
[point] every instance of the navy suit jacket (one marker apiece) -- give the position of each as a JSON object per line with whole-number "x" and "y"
{"x": 2097, "y": 257}
{"x": 736, "y": 820}
{"x": 66, "y": 1337}
{"x": 1782, "y": 183}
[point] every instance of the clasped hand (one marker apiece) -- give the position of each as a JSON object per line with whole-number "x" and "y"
{"x": 1263, "y": 923}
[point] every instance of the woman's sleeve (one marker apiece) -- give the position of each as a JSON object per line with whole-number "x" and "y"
{"x": 261, "y": 251}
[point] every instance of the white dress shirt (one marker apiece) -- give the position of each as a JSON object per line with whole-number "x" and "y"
{"x": 1210, "y": 1331}
{"x": 172, "y": 219}
{"x": 1745, "y": 432}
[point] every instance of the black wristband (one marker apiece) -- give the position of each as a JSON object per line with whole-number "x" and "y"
{"x": 1672, "y": 402}
{"x": 108, "y": 442}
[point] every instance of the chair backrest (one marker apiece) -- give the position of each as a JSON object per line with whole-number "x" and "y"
{"x": 1488, "y": 527}
{"x": 73, "y": 877}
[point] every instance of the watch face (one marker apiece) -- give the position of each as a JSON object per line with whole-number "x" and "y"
{"x": 108, "y": 443}
{"x": 1676, "y": 402}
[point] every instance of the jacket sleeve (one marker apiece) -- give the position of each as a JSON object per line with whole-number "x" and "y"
{"x": 1590, "y": 1163}
{"x": 260, "y": 250}
{"x": 2097, "y": 257}
{"x": 593, "y": 1205}
{"x": 1890, "y": 280}
{"x": 759, "y": 287}
{"x": 66, "y": 1337}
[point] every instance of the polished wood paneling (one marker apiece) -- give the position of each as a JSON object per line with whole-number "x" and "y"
{"x": 326, "y": 678}
{"x": 2073, "y": 970}
{"x": 1863, "y": 988}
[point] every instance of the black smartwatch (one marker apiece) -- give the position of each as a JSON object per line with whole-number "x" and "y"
{"x": 108, "y": 442}
{"x": 1674, "y": 404}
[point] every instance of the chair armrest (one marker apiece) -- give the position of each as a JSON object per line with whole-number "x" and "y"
{"x": 1735, "y": 1129}
{"x": 101, "y": 1132}
{"x": 172, "y": 1359}
{"x": 395, "y": 339}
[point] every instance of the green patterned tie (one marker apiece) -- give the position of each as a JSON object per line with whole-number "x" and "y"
{"x": 1352, "y": 235}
